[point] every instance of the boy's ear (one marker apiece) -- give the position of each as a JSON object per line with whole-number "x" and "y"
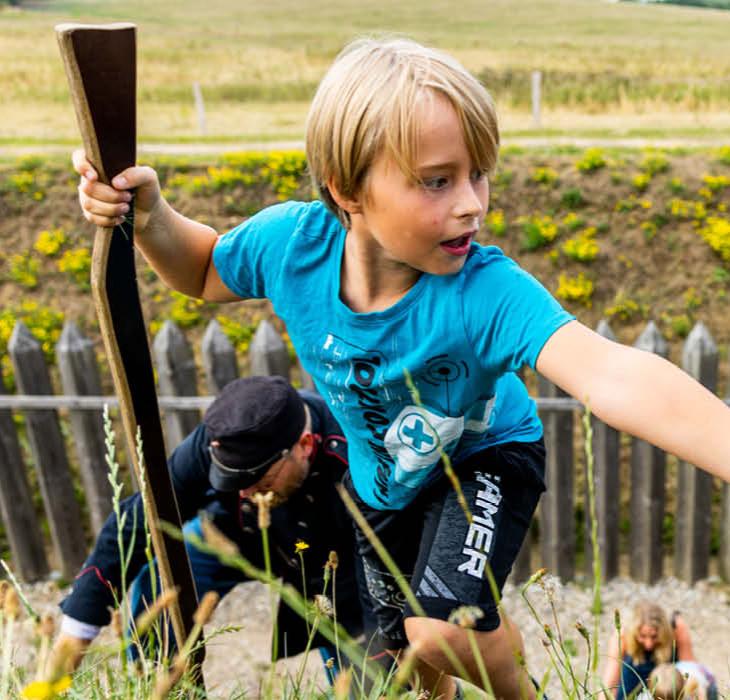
{"x": 349, "y": 204}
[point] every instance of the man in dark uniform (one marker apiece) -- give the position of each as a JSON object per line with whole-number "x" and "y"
{"x": 259, "y": 435}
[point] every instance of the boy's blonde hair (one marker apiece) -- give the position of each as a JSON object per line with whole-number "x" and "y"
{"x": 652, "y": 615}
{"x": 367, "y": 104}
{"x": 667, "y": 683}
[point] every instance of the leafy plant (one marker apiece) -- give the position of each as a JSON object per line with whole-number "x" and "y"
{"x": 24, "y": 270}
{"x": 579, "y": 289}
{"x": 76, "y": 263}
{"x": 538, "y": 231}
{"x": 496, "y": 224}
{"x": 592, "y": 159}
{"x": 572, "y": 198}
{"x": 583, "y": 246}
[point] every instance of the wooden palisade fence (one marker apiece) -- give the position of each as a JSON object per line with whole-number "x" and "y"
{"x": 177, "y": 385}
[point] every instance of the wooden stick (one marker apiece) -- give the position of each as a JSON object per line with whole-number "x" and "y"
{"x": 100, "y": 65}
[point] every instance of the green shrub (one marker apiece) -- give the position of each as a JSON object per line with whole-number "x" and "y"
{"x": 538, "y": 231}
{"x": 592, "y": 159}
{"x": 24, "y": 270}
{"x": 572, "y": 198}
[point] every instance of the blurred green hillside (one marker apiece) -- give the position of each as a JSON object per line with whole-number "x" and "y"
{"x": 609, "y": 68}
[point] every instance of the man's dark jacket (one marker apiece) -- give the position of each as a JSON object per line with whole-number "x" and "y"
{"x": 314, "y": 514}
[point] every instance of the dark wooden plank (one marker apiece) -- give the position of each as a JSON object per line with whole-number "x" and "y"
{"x": 648, "y": 468}
{"x": 80, "y": 376}
{"x": 49, "y": 454}
{"x": 16, "y": 505}
{"x": 693, "y": 520}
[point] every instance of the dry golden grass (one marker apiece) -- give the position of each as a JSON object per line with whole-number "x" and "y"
{"x": 259, "y": 61}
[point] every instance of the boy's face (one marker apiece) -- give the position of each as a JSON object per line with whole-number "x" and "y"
{"x": 427, "y": 225}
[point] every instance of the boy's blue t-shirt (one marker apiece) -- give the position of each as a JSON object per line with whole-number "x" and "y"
{"x": 461, "y": 338}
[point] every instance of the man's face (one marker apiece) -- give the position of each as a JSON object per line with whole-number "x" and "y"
{"x": 285, "y": 476}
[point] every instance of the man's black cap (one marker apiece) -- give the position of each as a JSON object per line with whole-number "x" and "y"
{"x": 255, "y": 420}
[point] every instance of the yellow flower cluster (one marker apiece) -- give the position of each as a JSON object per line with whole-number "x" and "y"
{"x": 239, "y": 334}
{"x": 538, "y": 230}
{"x": 49, "y": 242}
{"x": 716, "y": 233}
{"x": 641, "y": 181}
{"x": 43, "y": 322}
{"x": 687, "y": 209}
{"x": 654, "y": 162}
{"x": 624, "y": 308}
{"x": 571, "y": 221}
{"x": 496, "y": 223}
{"x": 24, "y": 270}
{"x": 583, "y": 246}
{"x": 592, "y": 159}
{"x": 715, "y": 183}
{"x": 544, "y": 176}
{"x": 185, "y": 310}
{"x": 282, "y": 170}
{"x": 24, "y": 182}
{"x": 578, "y": 289}
{"x": 632, "y": 203}
{"x": 77, "y": 264}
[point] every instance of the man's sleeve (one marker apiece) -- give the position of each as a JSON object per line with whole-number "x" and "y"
{"x": 98, "y": 585}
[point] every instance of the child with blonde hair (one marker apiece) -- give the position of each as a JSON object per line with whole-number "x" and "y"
{"x": 685, "y": 680}
{"x": 652, "y": 641}
{"x": 382, "y": 278}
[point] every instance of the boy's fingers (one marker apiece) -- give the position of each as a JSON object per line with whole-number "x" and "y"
{"x": 82, "y": 166}
{"x": 97, "y": 207}
{"x": 102, "y": 192}
{"x": 136, "y": 176}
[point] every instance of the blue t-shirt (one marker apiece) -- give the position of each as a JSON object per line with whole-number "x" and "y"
{"x": 461, "y": 338}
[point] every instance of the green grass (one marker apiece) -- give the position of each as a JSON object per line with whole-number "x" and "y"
{"x": 258, "y": 62}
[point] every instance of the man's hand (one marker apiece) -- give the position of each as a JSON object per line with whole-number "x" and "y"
{"x": 106, "y": 205}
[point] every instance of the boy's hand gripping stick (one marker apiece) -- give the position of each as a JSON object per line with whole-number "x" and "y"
{"x": 101, "y": 68}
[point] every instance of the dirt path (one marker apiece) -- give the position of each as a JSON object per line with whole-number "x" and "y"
{"x": 193, "y": 149}
{"x": 237, "y": 660}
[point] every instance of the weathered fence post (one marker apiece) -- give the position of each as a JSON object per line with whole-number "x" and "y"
{"x": 219, "y": 358}
{"x": 557, "y": 516}
{"x": 49, "y": 453}
{"x": 16, "y": 505}
{"x": 724, "y": 554}
{"x": 176, "y": 376}
{"x": 536, "y": 92}
{"x": 268, "y": 352}
{"x": 693, "y": 519}
{"x": 606, "y": 481}
{"x": 648, "y": 467}
{"x": 80, "y": 377}
{"x": 306, "y": 378}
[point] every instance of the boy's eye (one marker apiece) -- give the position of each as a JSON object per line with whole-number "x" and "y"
{"x": 477, "y": 175}
{"x": 435, "y": 183}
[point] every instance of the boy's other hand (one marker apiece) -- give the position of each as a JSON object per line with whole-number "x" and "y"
{"x": 107, "y": 206}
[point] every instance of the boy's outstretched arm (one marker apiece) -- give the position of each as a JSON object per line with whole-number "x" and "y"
{"x": 179, "y": 249}
{"x": 640, "y": 393}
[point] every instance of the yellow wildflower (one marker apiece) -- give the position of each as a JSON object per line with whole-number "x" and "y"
{"x": 300, "y": 546}
{"x": 45, "y": 690}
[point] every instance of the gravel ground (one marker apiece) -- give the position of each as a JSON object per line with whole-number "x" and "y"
{"x": 237, "y": 660}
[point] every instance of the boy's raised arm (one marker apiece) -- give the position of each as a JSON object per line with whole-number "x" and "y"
{"x": 179, "y": 249}
{"x": 640, "y": 393}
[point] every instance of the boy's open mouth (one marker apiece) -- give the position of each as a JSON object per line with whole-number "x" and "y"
{"x": 458, "y": 246}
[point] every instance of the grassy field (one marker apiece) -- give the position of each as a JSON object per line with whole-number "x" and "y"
{"x": 609, "y": 67}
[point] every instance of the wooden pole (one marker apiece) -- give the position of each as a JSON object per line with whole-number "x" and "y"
{"x": 100, "y": 64}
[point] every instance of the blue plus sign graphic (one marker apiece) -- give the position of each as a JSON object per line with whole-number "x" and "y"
{"x": 418, "y": 434}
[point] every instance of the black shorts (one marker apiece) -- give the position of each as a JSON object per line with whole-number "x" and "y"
{"x": 440, "y": 554}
